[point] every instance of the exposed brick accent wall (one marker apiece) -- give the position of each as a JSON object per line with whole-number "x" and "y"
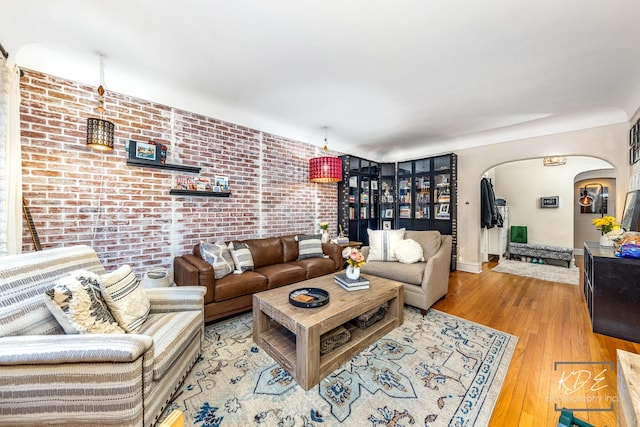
{"x": 80, "y": 196}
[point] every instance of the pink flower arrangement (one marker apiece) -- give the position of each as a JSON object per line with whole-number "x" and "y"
{"x": 353, "y": 256}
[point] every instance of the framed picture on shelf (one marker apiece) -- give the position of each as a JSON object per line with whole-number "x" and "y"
{"x": 386, "y": 225}
{"x": 145, "y": 151}
{"x": 374, "y": 185}
{"x": 221, "y": 183}
{"x": 388, "y": 213}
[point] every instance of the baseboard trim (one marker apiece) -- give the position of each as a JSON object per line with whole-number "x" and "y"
{"x": 469, "y": 267}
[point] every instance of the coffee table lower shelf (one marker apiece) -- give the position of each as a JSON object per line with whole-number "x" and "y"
{"x": 280, "y": 343}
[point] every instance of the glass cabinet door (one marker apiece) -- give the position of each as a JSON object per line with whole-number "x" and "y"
{"x": 405, "y": 177}
{"x": 422, "y": 189}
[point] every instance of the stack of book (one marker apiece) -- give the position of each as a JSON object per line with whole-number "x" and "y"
{"x": 351, "y": 285}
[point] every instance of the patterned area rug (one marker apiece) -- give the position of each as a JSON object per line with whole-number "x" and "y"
{"x": 551, "y": 273}
{"x": 435, "y": 370}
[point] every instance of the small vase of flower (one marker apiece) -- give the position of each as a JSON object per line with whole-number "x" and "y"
{"x": 607, "y": 226}
{"x": 326, "y": 237}
{"x": 355, "y": 260}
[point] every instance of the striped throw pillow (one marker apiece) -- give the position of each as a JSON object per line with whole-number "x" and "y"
{"x": 218, "y": 255}
{"x": 382, "y": 244}
{"x": 241, "y": 256}
{"x": 309, "y": 246}
{"x": 125, "y": 297}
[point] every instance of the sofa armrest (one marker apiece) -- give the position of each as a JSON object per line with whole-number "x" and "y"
{"x": 191, "y": 270}
{"x": 176, "y": 298}
{"x": 64, "y": 349}
{"x": 335, "y": 253}
{"x": 85, "y": 379}
{"x": 436, "y": 273}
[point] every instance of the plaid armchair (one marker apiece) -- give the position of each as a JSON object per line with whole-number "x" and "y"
{"x": 47, "y": 377}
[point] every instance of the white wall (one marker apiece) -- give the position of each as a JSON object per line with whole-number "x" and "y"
{"x": 523, "y": 182}
{"x": 609, "y": 143}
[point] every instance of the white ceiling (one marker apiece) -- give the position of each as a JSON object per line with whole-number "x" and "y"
{"x": 390, "y": 79}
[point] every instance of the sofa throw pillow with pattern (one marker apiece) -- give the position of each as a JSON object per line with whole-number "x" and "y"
{"x": 309, "y": 246}
{"x": 218, "y": 255}
{"x": 241, "y": 256}
{"x": 125, "y": 298}
{"x": 382, "y": 244}
{"x": 408, "y": 251}
{"x": 76, "y": 302}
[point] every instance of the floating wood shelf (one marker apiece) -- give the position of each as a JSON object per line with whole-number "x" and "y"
{"x": 166, "y": 166}
{"x": 176, "y": 192}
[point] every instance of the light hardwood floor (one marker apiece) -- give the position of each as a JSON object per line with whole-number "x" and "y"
{"x": 552, "y": 325}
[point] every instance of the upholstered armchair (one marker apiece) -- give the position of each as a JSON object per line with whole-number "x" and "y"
{"x": 121, "y": 379}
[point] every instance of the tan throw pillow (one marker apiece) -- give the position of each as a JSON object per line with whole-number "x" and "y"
{"x": 408, "y": 251}
{"x": 218, "y": 255}
{"x": 76, "y": 302}
{"x": 125, "y": 297}
{"x": 241, "y": 255}
{"x": 382, "y": 243}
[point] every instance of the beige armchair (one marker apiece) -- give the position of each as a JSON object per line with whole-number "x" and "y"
{"x": 425, "y": 282}
{"x": 48, "y": 377}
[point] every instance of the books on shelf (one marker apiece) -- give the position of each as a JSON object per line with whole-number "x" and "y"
{"x": 351, "y": 285}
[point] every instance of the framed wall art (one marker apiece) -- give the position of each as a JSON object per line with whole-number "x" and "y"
{"x": 550, "y": 202}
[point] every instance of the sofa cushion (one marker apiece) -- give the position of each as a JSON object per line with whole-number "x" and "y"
{"x": 430, "y": 240}
{"x": 171, "y": 332}
{"x": 218, "y": 255}
{"x": 289, "y": 248}
{"x": 265, "y": 251}
{"x": 316, "y": 266}
{"x": 125, "y": 298}
{"x": 77, "y": 304}
{"x": 282, "y": 274}
{"x": 406, "y": 273}
{"x": 309, "y": 246}
{"x": 241, "y": 255}
{"x": 235, "y": 285}
{"x": 382, "y": 242}
{"x": 408, "y": 251}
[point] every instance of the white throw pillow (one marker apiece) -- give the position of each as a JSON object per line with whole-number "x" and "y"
{"x": 382, "y": 243}
{"x": 77, "y": 304}
{"x": 125, "y": 297}
{"x": 408, "y": 251}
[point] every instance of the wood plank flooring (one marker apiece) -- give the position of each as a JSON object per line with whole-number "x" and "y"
{"x": 552, "y": 325}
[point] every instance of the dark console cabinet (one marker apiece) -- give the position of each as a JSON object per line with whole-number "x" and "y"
{"x": 612, "y": 292}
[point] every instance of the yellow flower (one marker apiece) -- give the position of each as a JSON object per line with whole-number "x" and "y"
{"x": 324, "y": 225}
{"x": 606, "y": 224}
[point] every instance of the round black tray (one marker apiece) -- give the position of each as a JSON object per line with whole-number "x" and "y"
{"x": 320, "y": 297}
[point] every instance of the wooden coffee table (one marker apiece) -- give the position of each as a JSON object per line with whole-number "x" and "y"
{"x": 291, "y": 335}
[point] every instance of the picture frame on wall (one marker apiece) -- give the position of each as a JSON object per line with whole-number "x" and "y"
{"x": 145, "y": 151}
{"x": 631, "y": 212}
{"x": 550, "y": 202}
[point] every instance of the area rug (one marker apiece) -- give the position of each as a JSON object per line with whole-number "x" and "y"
{"x": 434, "y": 370}
{"x": 551, "y": 273}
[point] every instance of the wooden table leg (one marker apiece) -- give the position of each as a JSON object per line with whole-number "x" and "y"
{"x": 396, "y": 306}
{"x": 260, "y": 323}
{"x": 307, "y": 356}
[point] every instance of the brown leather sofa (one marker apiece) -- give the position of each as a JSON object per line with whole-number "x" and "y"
{"x": 275, "y": 262}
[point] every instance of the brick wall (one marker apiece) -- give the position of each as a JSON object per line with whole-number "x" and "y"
{"x": 80, "y": 196}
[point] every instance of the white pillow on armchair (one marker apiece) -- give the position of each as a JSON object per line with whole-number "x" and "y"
{"x": 382, "y": 244}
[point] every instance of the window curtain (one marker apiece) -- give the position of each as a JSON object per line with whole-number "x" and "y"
{"x": 10, "y": 160}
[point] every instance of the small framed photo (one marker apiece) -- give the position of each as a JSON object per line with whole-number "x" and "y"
{"x": 386, "y": 225}
{"x": 444, "y": 208}
{"x": 388, "y": 213}
{"x": 145, "y": 151}
{"x": 550, "y": 202}
{"x": 221, "y": 184}
{"x": 374, "y": 185}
